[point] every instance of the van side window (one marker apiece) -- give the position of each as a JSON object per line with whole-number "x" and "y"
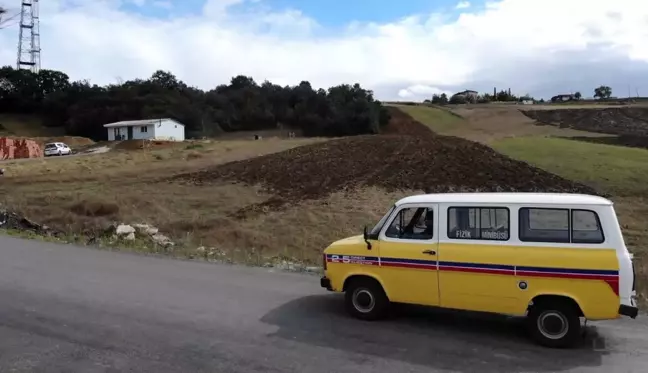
{"x": 544, "y": 225}
{"x": 586, "y": 227}
{"x": 555, "y": 225}
{"x": 413, "y": 223}
{"x": 478, "y": 223}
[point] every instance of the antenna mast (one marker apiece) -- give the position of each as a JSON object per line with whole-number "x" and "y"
{"x": 29, "y": 37}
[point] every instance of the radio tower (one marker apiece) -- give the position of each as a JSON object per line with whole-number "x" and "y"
{"x": 29, "y": 37}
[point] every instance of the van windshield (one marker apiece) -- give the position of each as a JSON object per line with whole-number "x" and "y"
{"x": 376, "y": 229}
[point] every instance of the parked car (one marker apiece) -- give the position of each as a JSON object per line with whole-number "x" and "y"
{"x": 553, "y": 258}
{"x": 57, "y": 148}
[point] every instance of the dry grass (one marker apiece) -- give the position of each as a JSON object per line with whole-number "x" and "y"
{"x": 485, "y": 124}
{"x": 26, "y": 126}
{"x": 85, "y": 194}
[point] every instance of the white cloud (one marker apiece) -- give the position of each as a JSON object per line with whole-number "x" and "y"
{"x": 463, "y": 5}
{"x": 536, "y": 46}
{"x": 419, "y": 90}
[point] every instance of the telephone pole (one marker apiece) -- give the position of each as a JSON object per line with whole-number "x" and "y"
{"x": 29, "y": 37}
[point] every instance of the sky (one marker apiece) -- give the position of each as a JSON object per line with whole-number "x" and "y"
{"x": 402, "y": 50}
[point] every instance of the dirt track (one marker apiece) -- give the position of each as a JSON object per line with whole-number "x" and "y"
{"x": 415, "y": 158}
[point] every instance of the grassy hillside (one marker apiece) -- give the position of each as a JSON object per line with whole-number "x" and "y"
{"x": 618, "y": 170}
{"x": 483, "y": 123}
{"x": 437, "y": 119}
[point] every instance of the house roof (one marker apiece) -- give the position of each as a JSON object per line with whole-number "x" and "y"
{"x": 142, "y": 122}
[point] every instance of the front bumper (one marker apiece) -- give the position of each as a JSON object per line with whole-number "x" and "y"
{"x": 629, "y": 311}
{"x": 326, "y": 283}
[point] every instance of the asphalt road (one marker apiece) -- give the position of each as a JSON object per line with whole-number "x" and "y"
{"x": 69, "y": 309}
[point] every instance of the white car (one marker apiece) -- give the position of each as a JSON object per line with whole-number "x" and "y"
{"x": 57, "y": 148}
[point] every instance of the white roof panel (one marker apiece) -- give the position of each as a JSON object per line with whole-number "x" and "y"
{"x": 518, "y": 198}
{"x": 142, "y": 122}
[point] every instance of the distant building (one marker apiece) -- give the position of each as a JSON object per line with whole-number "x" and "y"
{"x": 466, "y": 96}
{"x": 146, "y": 129}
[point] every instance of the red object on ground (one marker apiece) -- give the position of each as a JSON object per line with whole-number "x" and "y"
{"x": 19, "y": 148}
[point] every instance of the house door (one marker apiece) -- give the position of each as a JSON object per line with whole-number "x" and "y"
{"x": 130, "y": 133}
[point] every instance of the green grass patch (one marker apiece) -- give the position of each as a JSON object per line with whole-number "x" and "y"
{"x": 437, "y": 119}
{"x": 617, "y": 170}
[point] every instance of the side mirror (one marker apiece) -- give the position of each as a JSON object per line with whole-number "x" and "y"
{"x": 366, "y": 236}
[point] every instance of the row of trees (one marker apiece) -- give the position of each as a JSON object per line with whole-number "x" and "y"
{"x": 602, "y": 92}
{"x": 82, "y": 108}
{"x": 501, "y": 96}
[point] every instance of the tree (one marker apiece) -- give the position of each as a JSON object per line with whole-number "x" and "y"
{"x": 441, "y": 99}
{"x": 241, "y": 105}
{"x": 602, "y": 92}
{"x": 577, "y": 95}
{"x": 505, "y": 96}
{"x": 485, "y": 98}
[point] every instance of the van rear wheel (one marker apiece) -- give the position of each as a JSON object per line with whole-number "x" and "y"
{"x": 365, "y": 299}
{"x": 554, "y": 324}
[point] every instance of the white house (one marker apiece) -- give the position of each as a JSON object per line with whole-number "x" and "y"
{"x": 146, "y": 129}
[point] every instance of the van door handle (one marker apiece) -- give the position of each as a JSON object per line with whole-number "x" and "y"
{"x": 429, "y": 252}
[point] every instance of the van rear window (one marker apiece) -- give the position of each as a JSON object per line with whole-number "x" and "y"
{"x": 586, "y": 227}
{"x": 558, "y": 225}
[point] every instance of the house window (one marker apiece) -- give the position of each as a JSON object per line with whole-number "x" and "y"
{"x": 413, "y": 223}
{"x": 478, "y": 223}
{"x": 144, "y": 129}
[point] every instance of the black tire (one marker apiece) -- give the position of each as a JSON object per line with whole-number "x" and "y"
{"x": 554, "y": 324}
{"x": 365, "y": 299}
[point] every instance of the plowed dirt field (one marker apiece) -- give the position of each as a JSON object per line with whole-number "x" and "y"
{"x": 408, "y": 156}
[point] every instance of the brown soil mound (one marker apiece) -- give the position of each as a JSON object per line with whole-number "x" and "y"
{"x": 402, "y": 124}
{"x": 623, "y": 140}
{"x": 432, "y": 163}
{"x": 615, "y": 121}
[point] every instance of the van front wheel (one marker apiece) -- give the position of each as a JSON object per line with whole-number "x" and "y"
{"x": 365, "y": 299}
{"x": 554, "y": 324}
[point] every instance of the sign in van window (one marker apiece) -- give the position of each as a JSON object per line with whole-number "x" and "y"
{"x": 478, "y": 223}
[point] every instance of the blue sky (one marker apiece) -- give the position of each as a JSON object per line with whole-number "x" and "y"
{"x": 589, "y": 43}
{"x": 334, "y": 13}
{"x": 328, "y": 13}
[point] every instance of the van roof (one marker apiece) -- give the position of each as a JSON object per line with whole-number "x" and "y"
{"x": 517, "y": 198}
